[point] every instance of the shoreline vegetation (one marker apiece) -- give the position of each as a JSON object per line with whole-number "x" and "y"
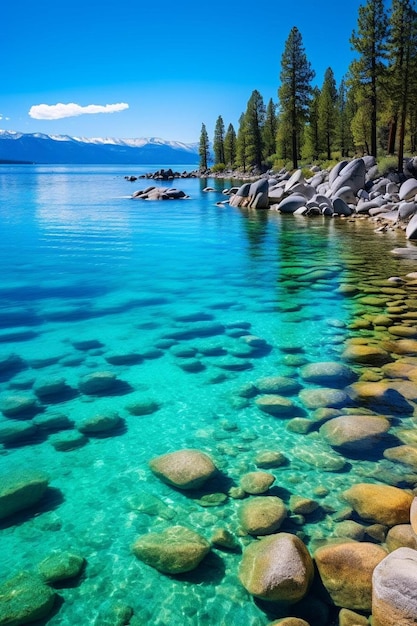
{"x": 370, "y": 111}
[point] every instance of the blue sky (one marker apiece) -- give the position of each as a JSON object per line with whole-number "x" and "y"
{"x": 155, "y": 68}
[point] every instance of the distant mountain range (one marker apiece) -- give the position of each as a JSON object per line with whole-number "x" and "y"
{"x": 62, "y": 149}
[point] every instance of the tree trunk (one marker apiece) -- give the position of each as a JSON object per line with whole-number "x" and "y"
{"x": 392, "y": 133}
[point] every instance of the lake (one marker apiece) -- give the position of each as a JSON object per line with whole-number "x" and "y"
{"x": 171, "y": 319}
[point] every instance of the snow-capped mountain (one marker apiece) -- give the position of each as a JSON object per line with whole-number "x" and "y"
{"x": 41, "y": 148}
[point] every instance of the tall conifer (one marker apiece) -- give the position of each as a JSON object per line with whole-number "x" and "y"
{"x": 327, "y": 112}
{"x": 204, "y": 149}
{"x": 230, "y": 146}
{"x": 218, "y": 142}
{"x": 270, "y": 129}
{"x": 368, "y": 69}
{"x": 294, "y": 93}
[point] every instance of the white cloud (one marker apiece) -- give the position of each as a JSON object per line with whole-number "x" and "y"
{"x": 60, "y": 110}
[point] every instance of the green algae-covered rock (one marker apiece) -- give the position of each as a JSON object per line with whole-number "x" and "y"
{"x": 60, "y": 566}
{"x": 270, "y": 459}
{"x": 20, "y": 490}
{"x": 24, "y": 599}
{"x": 18, "y": 405}
{"x": 100, "y": 423}
{"x": 113, "y": 613}
{"x": 98, "y": 383}
{"x": 184, "y": 469}
{"x": 173, "y": 551}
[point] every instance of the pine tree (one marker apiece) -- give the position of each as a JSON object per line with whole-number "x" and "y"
{"x": 311, "y": 148}
{"x": 254, "y": 121}
{"x": 368, "y": 70}
{"x": 204, "y": 148}
{"x": 345, "y": 113}
{"x": 294, "y": 94}
{"x": 218, "y": 142}
{"x": 270, "y": 130}
{"x": 241, "y": 141}
{"x": 230, "y": 146}
{"x": 402, "y": 69}
{"x": 327, "y": 112}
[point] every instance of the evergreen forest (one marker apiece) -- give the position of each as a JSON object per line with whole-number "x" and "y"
{"x": 372, "y": 111}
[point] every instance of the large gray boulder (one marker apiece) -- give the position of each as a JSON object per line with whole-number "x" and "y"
{"x": 394, "y": 589}
{"x": 351, "y": 175}
{"x": 411, "y": 230}
{"x": 292, "y": 203}
{"x": 258, "y": 194}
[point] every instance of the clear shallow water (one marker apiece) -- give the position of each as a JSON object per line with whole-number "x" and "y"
{"x": 87, "y": 274}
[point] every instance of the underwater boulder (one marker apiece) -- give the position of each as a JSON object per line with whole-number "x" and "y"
{"x": 277, "y": 568}
{"x": 184, "y": 469}
{"x": 173, "y": 551}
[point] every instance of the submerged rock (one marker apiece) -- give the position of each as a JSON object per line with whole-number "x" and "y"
{"x": 277, "y": 568}
{"x": 346, "y": 572}
{"x": 256, "y": 482}
{"x": 173, "y": 551}
{"x": 381, "y": 504}
{"x": 354, "y": 431}
{"x": 184, "y": 469}
{"x": 262, "y": 515}
{"x": 25, "y": 598}
{"x": 60, "y": 566}
{"x": 20, "y": 490}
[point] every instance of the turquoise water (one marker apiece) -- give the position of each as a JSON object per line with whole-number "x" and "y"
{"x": 162, "y": 295}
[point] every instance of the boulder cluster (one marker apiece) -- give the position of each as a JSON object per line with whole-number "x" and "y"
{"x": 349, "y": 188}
{"x": 163, "y": 174}
{"x": 159, "y": 193}
{"x": 360, "y": 578}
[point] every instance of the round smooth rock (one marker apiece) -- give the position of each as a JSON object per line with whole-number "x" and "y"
{"x": 262, "y": 515}
{"x": 173, "y": 551}
{"x": 25, "y": 598}
{"x": 67, "y": 440}
{"x": 394, "y": 582}
{"x": 346, "y": 572}
{"x": 365, "y": 355}
{"x": 184, "y": 469}
{"x": 20, "y": 491}
{"x": 17, "y": 433}
{"x": 268, "y": 459}
{"x": 18, "y": 405}
{"x": 328, "y": 373}
{"x": 381, "y": 504}
{"x": 354, "y": 432}
{"x": 277, "y": 568}
{"x": 98, "y": 383}
{"x": 323, "y": 397}
{"x": 255, "y": 483}
{"x": 401, "y": 536}
{"x": 276, "y": 405}
{"x": 277, "y": 385}
{"x": 101, "y": 423}
{"x": 60, "y": 566}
